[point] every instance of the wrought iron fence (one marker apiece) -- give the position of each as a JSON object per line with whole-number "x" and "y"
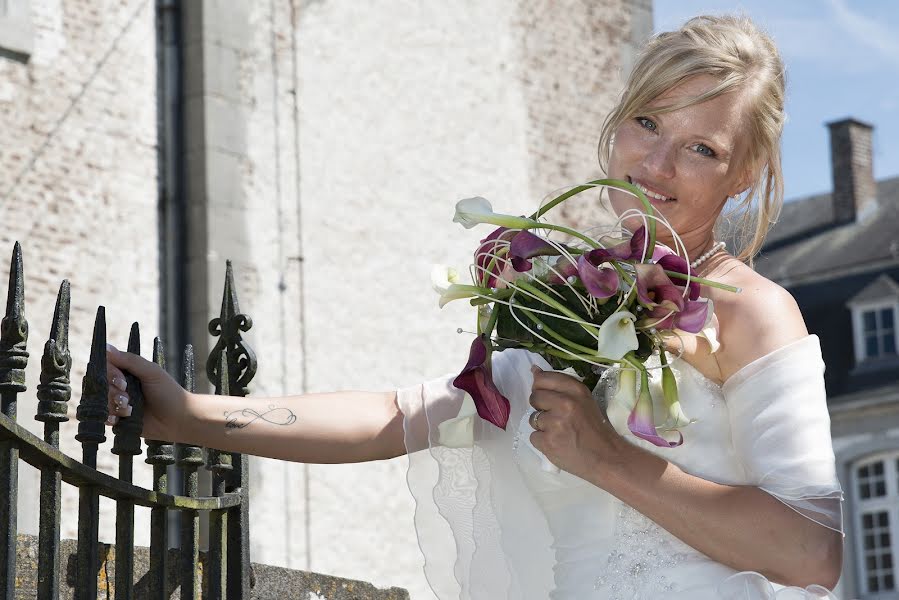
{"x": 230, "y": 368}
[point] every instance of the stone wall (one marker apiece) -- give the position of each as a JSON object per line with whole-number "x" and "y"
{"x": 267, "y": 582}
{"x": 78, "y": 189}
{"x": 326, "y": 145}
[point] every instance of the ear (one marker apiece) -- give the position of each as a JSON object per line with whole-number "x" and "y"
{"x": 747, "y": 178}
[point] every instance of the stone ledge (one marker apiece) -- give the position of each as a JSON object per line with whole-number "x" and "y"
{"x": 268, "y": 582}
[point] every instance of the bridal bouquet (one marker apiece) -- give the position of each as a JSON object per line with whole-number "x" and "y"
{"x": 585, "y": 304}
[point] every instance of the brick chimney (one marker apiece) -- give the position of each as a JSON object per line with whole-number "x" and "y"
{"x": 854, "y": 189}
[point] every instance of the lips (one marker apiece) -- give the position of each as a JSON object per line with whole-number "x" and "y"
{"x": 651, "y": 192}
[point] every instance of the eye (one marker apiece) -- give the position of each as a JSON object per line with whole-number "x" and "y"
{"x": 646, "y": 123}
{"x": 704, "y": 150}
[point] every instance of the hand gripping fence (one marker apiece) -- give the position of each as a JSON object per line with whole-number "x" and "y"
{"x": 230, "y": 368}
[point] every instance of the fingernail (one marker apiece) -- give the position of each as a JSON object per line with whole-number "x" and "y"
{"x": 112, "y": 420}
{"x": 111, "y": 348}
{"x": 121, "y": 400}
{"x": 120, "y": 383}
{"x": 127, "y": 410}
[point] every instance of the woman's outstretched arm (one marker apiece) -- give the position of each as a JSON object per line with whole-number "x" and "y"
{"x": 337, "y": 427}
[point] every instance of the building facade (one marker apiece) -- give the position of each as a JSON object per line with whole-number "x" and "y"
{"x": 321, "y": 145}
{"x": 838, "y": 254}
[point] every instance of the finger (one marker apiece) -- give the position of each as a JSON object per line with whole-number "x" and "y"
{"x": 116, "y": 378}
{"x": 553, "y": 401}
{"x": 560, "y": 382}
{"x": 138, "y": 366}
{"x": 119, "y": 404}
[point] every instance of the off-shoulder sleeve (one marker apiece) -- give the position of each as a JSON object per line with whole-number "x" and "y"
{"x": 471, "y": 502}
{"x": 781, "y": 430}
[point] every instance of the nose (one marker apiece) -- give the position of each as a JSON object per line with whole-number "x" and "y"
{"x": 659, "y": 159}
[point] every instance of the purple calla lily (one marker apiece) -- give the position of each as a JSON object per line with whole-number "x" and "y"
{"x": 651, "y": 280}
{"x": 525, "y": 245}
{"x": 563, "y": 270}
{"x": 485, "y": 252}
{"x": 475, "y": 379}
{"x": 693, "y": 317}
{"x": 641, "y": 421}
{"x": 631, "y": 249}
{"x": 600, "y": 283}
{"x": 676, "y": 264}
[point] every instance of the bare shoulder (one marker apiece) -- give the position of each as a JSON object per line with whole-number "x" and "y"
{"x": 759, "y": 319}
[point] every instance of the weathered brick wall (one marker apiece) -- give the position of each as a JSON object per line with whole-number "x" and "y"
{"x": 78, "y": 189}
{"x": 338, "y": 140}
{"x": 402, "y": 113}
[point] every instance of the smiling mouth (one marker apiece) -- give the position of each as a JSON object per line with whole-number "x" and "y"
{"x": 650, "y": 193}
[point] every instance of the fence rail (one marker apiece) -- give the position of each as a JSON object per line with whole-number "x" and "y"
{"x": 230, "y": 368}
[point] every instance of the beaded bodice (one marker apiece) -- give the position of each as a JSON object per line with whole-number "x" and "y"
{"x": 603, "y": 547}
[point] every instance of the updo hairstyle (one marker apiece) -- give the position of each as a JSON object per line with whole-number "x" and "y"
{"x": 742, "y": 58}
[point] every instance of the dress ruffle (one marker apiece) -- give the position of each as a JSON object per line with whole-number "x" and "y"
{"x": 493, "y": 522}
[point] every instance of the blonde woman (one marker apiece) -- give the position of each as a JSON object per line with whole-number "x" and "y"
{"x": 748, "y": 505}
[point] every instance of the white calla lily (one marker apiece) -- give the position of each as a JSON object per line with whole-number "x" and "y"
{"x": 472, "y": 211}
{"x": 442, "y": 277}
{"x": 459, "y": 432}
{"x": 617, "y": 336}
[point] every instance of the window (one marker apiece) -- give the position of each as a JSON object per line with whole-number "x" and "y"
{"x": 875, "y": 483}
{"x": 875, "y": 316}
{"x": 878, "y": 332}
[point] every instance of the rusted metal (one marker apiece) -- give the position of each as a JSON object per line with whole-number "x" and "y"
{"x": 92, "y": 413}
{"x": 126, "y": 444}
{"x": 53, "y": 394}
{"x": 160, "y": 454}
{"x": 231, "y": 366}
{"x": 236, "y": 367}
{"x": 190, "y": 458}
{"x": 13, "y": 360}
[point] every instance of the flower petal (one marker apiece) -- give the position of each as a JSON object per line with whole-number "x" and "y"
{"x": 693, "y": 317}
{"x": 617, "y": 336}
{"x": 676, "y": 417}
{"x": 649, "y": 276}
{"x": 472, "y": 211}
{"x": 600, "y": 283}
{"x": 563, "y": 269}
{"x": 457, "y": 291}
{"x": 442, "y": 277}
{"x": 641, "y": 421}
{"x": 476, "y": 380}
{"x": 673, "y": 262}
{"x": 527, "y": 245}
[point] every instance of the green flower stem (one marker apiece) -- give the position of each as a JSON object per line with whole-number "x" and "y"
{"x": 614, "y": 183}
{"x": 569, "y": 231}
{"x": 708, "y": 282}
{"x": 491, "y": 322}
{"x": 543, "y": 327}
{"x": 485, "y": 276}
{"x": 557, "y": 305}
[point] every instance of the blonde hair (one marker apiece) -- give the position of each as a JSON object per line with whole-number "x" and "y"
{"x": 742, "y": 57}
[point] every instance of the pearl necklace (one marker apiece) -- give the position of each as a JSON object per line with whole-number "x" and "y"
{"x": 706, "y": 255}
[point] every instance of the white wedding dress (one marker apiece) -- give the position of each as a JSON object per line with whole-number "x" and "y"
{"x": 497, "y": 521}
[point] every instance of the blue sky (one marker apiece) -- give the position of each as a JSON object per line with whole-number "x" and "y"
{"x": 842, "y": 59}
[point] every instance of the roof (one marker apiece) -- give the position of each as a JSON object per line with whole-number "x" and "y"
{"x": 882, "y": 288}
{"x": 806, "y": 245}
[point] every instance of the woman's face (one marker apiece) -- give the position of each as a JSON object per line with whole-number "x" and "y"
{"x": 687, "y": 161}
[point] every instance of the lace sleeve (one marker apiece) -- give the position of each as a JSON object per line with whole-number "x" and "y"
{"x": 480, "y": 531}
{"x": 781, "y": 430}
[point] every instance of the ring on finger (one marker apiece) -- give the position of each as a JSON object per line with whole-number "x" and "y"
{"x": 534, "y": 419}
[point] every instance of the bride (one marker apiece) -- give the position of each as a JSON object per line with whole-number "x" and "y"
{"x": 748, "y": 507}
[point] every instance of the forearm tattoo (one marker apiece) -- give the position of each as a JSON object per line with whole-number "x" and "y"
{"x": 239, "y": 419}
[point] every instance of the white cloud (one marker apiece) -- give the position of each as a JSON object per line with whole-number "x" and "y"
{"x": 866, "y": 31}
